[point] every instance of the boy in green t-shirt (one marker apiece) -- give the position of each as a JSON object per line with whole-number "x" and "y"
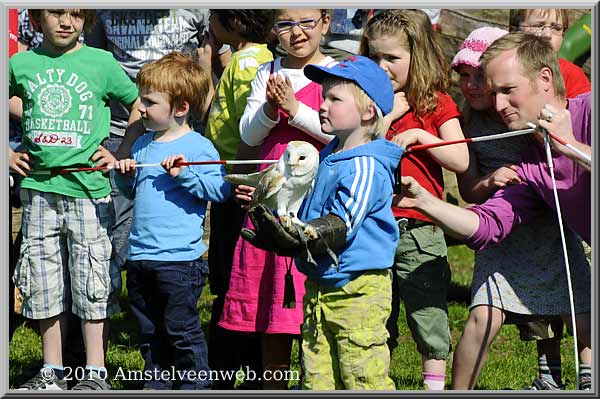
{"x": 65, "y": 255}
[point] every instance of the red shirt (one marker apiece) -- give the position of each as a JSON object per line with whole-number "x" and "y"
{"x": 576, "y": 82}
{"x": 419, "y": 164}
{"x": 13, "y": 31}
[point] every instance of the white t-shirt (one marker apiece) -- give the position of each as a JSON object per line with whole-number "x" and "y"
{"x": 255, "y": 125}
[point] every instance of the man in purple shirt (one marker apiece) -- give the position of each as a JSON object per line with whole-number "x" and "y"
{"x": 520, "y": 97}
{"x": 525, "y": 79}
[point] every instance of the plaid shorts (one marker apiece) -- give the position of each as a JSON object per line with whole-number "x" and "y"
{"x": 65, "y": 257}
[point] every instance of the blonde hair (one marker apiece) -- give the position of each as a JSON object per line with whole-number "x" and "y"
{"x": 89, "y": 16}
{"x": 518, "y": 16}
{"x": 428, "y": 70}
{"x": 178, "y": 76}
{"x": 533, "y": 53}
{"x": 363, "y": 101}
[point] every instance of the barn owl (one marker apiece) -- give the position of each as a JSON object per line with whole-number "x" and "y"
{"x": 283, "y": 185}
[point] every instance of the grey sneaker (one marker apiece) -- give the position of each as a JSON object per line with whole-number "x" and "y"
{"x": 92, "y": 382}
{"x": 541, "y": 385}
{"x": 44, "y": 380}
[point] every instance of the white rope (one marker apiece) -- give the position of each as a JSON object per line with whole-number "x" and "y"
{"x": 232, "y": 162}
{"x": 579, "y": 152}
{"x": 504, "y": 135}
{"x": 146, "y": 165}
{"x": 569, "y": 146}
{"x": 566, "y": 257}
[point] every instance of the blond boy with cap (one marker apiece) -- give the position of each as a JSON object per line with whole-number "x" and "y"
{"x": 347, "y": 215}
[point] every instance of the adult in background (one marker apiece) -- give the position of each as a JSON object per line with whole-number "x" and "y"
{"x": 523, "y": 276}
{"x": 551, "y": 24}
{"x": 524, "y": 75}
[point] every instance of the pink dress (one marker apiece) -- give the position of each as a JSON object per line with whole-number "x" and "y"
{"x": 254, "y": 301}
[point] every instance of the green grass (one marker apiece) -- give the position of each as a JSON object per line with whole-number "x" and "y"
{"x": 511, "y": 364}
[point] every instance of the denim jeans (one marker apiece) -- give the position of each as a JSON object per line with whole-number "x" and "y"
{"x": 123, "y": 209}
{"x": 163, "y": 298}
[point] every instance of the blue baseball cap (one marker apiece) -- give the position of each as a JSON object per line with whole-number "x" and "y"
{"x": 365, "y": 73}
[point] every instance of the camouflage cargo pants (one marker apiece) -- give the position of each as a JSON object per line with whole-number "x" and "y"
{"x": 344, "y": 335}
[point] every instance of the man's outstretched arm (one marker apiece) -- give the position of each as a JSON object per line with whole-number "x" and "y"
{"x": 457, "y": 222}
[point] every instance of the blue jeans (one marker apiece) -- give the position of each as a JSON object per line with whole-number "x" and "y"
{"x": 123, "y": 208}
{"x": 163, "y": 298}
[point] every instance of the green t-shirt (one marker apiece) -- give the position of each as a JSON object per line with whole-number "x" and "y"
{"x": 66, "y": 114}
{"x": 222, "y": 127}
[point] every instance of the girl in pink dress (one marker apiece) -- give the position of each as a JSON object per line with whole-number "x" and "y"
{"x": 283, "y": 106}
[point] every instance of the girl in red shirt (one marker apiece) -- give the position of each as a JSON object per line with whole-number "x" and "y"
{"x": 403, "y": 43}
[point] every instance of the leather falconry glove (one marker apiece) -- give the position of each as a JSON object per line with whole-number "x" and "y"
{"x": 324, "y": 235}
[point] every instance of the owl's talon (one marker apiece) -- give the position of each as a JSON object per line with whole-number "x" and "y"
{"x": 310, "y": 232}
{"x": 287, "y": 222}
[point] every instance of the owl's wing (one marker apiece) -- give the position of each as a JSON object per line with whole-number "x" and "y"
{"x": 250, "y": 179}
{"x": 269, "y": 184}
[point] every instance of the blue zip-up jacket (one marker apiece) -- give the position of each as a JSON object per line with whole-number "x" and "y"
{"x": 357, "y": 186}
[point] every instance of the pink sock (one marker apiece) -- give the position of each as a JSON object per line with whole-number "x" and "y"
{"x": 434, "y": 382}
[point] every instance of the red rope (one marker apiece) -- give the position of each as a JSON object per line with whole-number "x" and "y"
{"x": 98, "y": 168}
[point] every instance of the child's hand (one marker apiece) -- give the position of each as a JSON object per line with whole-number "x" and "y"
{"x": 284, "y": 96}
{"x": 103, "y": 157}
{"x": 271, "y": 105}
{"x": 408, "y": 138}
{"x": 125, "y": 167}
{"x": 243, "y": 195}
{"x": 19, "y": 162}
{"x": 401, "y": 105}
{"x": 504, "y": 176}
{"x": 169, "y": 163}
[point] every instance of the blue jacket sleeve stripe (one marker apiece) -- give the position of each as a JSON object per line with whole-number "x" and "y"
{"x": 350, "y": 200}
{"x": 367, "y": 192}
{"x": 354, "y": 183}
{"x": 363, "y": 180}
{"x": 356, "y": 204}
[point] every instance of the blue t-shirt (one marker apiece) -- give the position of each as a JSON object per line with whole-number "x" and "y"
{"x": 168, "y": 212}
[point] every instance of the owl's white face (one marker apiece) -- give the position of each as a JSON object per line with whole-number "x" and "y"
{"x": 300, "y": 158}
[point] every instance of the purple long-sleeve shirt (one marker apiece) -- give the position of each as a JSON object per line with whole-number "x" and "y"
{"x": 519, "y": 203}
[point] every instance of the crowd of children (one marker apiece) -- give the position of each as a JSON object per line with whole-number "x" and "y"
{"x": 202, "y": 85}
